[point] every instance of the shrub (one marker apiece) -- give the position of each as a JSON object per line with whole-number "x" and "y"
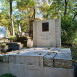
{"x": 7, "y": 75}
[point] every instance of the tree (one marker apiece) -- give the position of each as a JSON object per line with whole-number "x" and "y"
{"x": 69, "y": 28}
{"x": 51, "y": 9}
{"x": 4, "y": 16}
{"x": 5, "y": 19}
{"x": 6, "y": 5}
{"x": 11, "y": 18}
{"x": 65, "y": 7}
{"x": 26, "y": 13}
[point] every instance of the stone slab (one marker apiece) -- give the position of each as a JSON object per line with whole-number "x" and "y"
{"x": 30, "y": 61}
{"x": 63, "y": 60}
{"x": 56, "y": 49}
{"x": 5, "y": 58}
{"x": 65, "y": 50}
{"x": 48, "y": 59}
{"x": 42, "y": 56}
{"x": 44, "y": 48}
{"x": 12, "y": 59}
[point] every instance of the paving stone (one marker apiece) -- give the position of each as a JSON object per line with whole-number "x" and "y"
{"x": 63, "y": 60}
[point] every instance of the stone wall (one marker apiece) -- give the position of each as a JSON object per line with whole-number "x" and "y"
{"x": 21, "y": 70}
{"x": 51, "y": 38}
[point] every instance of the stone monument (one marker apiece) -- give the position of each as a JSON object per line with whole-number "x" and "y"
{"x": 45, "y": 59}
{"x": 47, "y": 33}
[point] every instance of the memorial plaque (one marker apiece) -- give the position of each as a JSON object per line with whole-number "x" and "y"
{"x": 45, "y": 26}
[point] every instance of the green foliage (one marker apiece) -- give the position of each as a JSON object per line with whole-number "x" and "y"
{"x": 52, "y": 10}
{"x": 69, "y": 28}
{"x": 4, "y": 16}
{"x": 26, "y": 8}
{"x": 14, "y": 38}
{"x": 68, "y": 23}
{"x": 7, "y": 75}
{"x": 5, "y": 19}
{"x": 23, "y": 5}
{"x": 49, "y": 10}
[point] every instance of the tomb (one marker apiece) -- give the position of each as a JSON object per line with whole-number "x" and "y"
{"x": 47, "y": 33}
{"x": 45, "y": 59}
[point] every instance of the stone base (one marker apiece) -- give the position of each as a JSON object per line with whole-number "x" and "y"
{"x": 37, "y": 62}
{"x": 21, "y": 70}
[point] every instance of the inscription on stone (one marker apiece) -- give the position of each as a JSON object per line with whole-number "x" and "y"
{"x": 45, "y": 36}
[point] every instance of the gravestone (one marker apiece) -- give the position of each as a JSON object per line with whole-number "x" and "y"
{"x": 47, "y": 33}
{"x": 3, "y": 32}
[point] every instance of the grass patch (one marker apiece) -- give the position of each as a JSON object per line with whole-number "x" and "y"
{"x": 7, "y": 75}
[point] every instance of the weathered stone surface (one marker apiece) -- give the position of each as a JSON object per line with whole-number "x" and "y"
{"x": 31, "y": 59}
{"x": 50, "y": 38}
{"x": 6, "y": 59}
{"x": 56, "y": 49}
{"x": 12, "y": 59}
{"x": 21, "y": 70}
{"x": 48, "y": 59}
{"x": 39, "y": 57}
{"x": 37, "y": 62}
{"x": 63, "y": 60}
{"x": 58, "y": 32}
{"x": 65, "y": 50}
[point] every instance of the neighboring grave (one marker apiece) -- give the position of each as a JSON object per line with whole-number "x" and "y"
{"x": 47, "y": 33}
{"x": 3, "y": 32}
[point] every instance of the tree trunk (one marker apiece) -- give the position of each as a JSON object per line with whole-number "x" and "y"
{"x": 34, "y": 13}
{"x": 65, "y": 7}
{"x": 11, "y": 18}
